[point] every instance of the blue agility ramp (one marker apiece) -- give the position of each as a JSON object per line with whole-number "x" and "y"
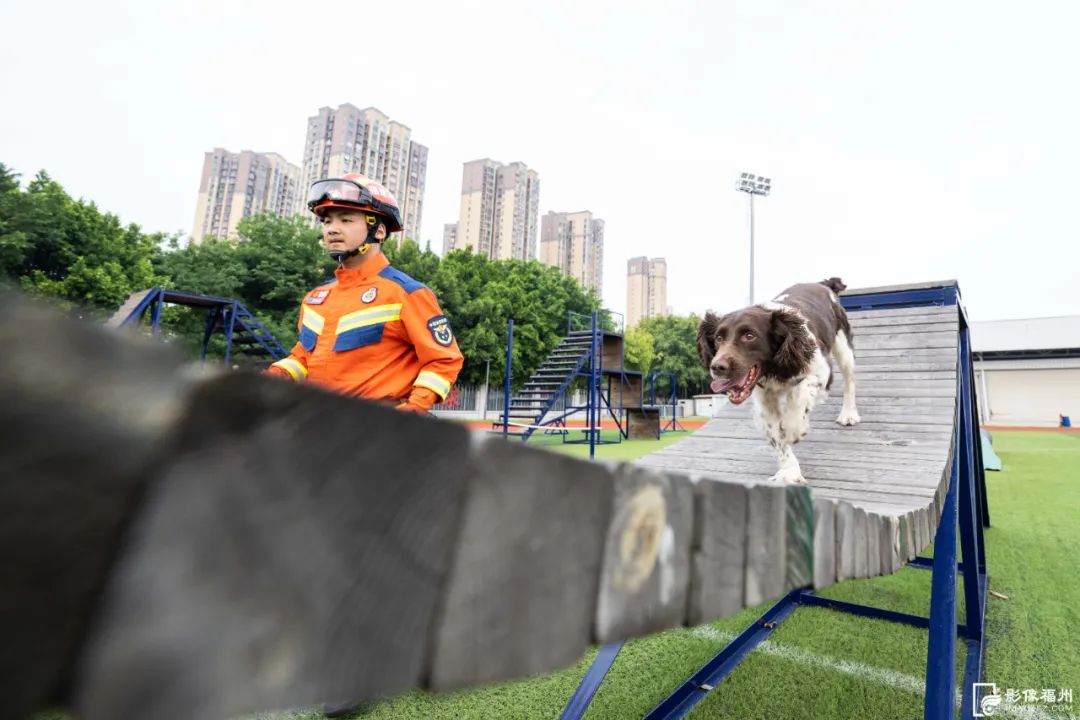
{"x": 909, "y": 474}
{"x": 242, "y": 330}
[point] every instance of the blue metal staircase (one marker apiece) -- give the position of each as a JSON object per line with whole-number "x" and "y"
{"x": 540, "y": 394}
{"x": 242, "y": 330}
{"x": 595, "y": 354}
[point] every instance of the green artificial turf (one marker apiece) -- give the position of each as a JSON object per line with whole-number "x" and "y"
{"x": 824, "y": 664}
{"x": 828, "y": 665}
{"x": 625, "y": 450}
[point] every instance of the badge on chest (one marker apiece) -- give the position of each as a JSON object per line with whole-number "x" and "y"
{"x": 369, "y": 295}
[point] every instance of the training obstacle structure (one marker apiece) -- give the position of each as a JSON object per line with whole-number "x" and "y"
{"x": 200, "y": 546}
{"x": 672, "y": 401}
{"x": 910, "y": 472}
{"x": 242, "y": 330}
{"x": 596, "y": 355}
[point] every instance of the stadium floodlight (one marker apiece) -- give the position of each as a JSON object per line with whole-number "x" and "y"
{"x": 753, "y": 185}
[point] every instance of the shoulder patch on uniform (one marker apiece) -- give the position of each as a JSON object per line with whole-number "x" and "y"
{"x": 440, "y": 330}
{"x": 410, "y": 286}
{"x": 317, "y": 297}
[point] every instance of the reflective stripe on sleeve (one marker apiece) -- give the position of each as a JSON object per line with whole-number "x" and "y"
{"x": 431, "y": 381}
{"x": 293, "y": 367}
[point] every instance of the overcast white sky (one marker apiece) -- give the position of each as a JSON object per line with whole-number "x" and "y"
{"x": 907, "y": 141}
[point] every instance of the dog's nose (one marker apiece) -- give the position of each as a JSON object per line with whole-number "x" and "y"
{"x": 719, "y": 367}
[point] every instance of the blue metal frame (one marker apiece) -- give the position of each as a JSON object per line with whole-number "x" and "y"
{"x": 594, "y": 382}
{"x": 671, "y": 425}
{"x": 607, "y": 401}
{"x": 232, "y": 312}
{"x": 553, "y": 422}
{"x": 944, "y": 295}
{"x": 965, "y": 513}
{"x": 581, "y": 698}
{"x": 597, "y": 401}
{"x": 693, "y": 691}
{"x": 506, "y": 380}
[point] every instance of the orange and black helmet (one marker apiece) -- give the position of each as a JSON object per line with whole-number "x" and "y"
{"x": 356, "y": 192}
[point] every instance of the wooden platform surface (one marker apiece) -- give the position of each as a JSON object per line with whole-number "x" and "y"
{"x": 876, "y": 487}
{"x": 893, "y": 461}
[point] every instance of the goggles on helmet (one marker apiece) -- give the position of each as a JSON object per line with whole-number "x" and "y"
{"x": 338, "y": 190}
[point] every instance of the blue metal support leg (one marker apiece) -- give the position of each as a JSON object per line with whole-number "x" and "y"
{"x": 941, "y": 650}
{"x": 579, "y": 702}
{"x": 694, "y": 690}
{"x": 594, "y": 381}
{"x": 211, "y": 322}
{"x": 230, "y": 325}
{"x": 506, "y": 380}
{"x": 967, "y": 507}
{"x": 155, "y": 313}
{"x": 970, "y": 530}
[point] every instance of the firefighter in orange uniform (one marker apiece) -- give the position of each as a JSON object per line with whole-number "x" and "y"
{"x": 371, "y": 332}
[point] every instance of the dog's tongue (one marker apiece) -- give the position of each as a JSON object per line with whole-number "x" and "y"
{"x": 722, "y": 387}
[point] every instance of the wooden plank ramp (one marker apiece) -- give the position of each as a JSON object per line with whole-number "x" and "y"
{"x": 208, "y": 544}
{"x": 118, "y": 317}
{"x": 875, "y": 486}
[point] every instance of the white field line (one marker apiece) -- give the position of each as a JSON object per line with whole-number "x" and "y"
{"x": 891, "y": 678}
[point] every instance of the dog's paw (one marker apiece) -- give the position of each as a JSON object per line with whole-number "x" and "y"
{"x": 796, "y": 430}
{"x": 790, "y": 477}
{"x": 848, "y": 418}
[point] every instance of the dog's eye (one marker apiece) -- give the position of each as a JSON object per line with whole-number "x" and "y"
{"x": 748, "y": 336}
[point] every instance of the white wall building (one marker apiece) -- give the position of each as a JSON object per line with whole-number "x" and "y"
{"x": 1028, "y": 371}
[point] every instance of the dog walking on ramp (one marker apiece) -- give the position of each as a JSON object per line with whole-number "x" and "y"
{"x": 777, "y": 352}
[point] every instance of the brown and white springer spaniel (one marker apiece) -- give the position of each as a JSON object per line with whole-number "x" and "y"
{"x": 777, "y": 352}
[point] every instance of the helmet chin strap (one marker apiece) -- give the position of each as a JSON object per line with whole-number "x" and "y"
{"x": 341, "y": 257}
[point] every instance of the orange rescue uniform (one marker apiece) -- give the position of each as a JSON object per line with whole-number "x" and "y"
{"x": 374, "y": 332}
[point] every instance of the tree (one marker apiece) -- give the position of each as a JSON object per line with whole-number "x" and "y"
{"x": 270, "y": 267}
{"x": 68, "y": 249}
{"x": 210, "y": 268}
{"x": 406, "y": 256}
{"x": 282, "y": 259}
{"x": 675, "y": 344}
{"x": 13, "y": 242}
{"x": 481, "y": 296}
{"x": 640, "y": 349}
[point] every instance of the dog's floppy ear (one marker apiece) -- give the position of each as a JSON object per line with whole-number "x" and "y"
{"x": 793, "y": 347}
{"x": 706, "y": 333}
{"x": 835, "y": 284}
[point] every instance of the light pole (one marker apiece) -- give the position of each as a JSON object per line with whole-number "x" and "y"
{"x": 753, "y": 185}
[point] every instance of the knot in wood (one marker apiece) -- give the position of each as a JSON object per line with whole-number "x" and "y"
{"x": 641, "y": 524}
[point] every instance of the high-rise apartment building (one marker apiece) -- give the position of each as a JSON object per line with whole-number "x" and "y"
{"x": 235, "y": 185}
{"x": 574, "y": 243}
{"x": 350, "y": 140}
{"x": 449, "y": 238}
{"x": 646, "y": 289}
{"x": 498, "y": 211}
